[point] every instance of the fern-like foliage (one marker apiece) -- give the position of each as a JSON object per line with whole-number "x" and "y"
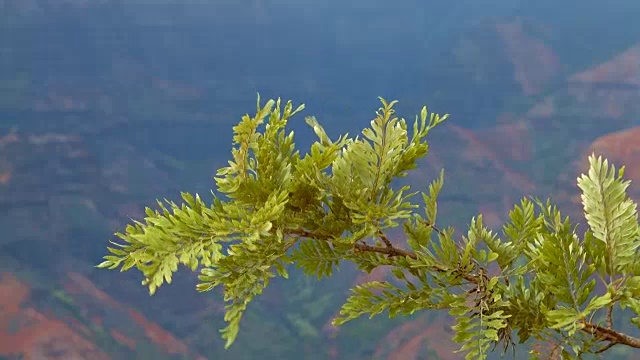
{"x": 275, "y": 207}
{"x": 317, "y": 257}
{"x": 612, "y": 217}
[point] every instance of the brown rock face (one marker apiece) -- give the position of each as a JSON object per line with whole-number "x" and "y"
{"x": 621, "y": 148}
{"x": 406, "y": 341}
{"x": 606, "y": 95}
{"x": 483, "y": 171}
{"x": 30, "y": 328}
{"x": 26, "y": 330}
{"x": 623, "y": 69}
{"x": 512, "y": 49}
{"x": 534, "y": 62}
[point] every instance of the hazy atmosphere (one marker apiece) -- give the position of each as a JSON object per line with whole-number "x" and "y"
{"x": 108, "y": 105}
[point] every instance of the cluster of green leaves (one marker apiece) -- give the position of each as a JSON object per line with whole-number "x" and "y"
{"x": 274, "y": 207}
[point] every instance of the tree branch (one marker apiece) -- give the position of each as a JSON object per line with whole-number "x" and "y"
{"x": 388, "y": 250}
{"x": 611, "y": 335}
{"x": 599, "y": 332}
{"x": 394, "y": 251}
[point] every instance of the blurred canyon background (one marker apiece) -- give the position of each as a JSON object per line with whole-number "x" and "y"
{"x": 106, "y": 105}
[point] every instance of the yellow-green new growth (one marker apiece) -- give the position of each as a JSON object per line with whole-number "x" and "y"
{"x": 275, "y": 207}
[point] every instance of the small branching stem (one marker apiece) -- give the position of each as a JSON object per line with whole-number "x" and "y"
{"x": 607, "y": 334}
{"x": 610, "y": 317}
{"x": 385, "y": 239}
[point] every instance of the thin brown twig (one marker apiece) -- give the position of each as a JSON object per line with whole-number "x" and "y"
{"x": 394, "y": 251}
{"x": 385, "y": 239}
{"x": 389, "y": 250}
{"x": 601, "y": 333}
{"x": 610, "y": 317}
{"x": 433, "y": 226}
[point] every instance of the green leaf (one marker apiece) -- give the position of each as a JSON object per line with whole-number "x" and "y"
{"x": 611, "y": 214}
{"x": 317, "y": 257}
